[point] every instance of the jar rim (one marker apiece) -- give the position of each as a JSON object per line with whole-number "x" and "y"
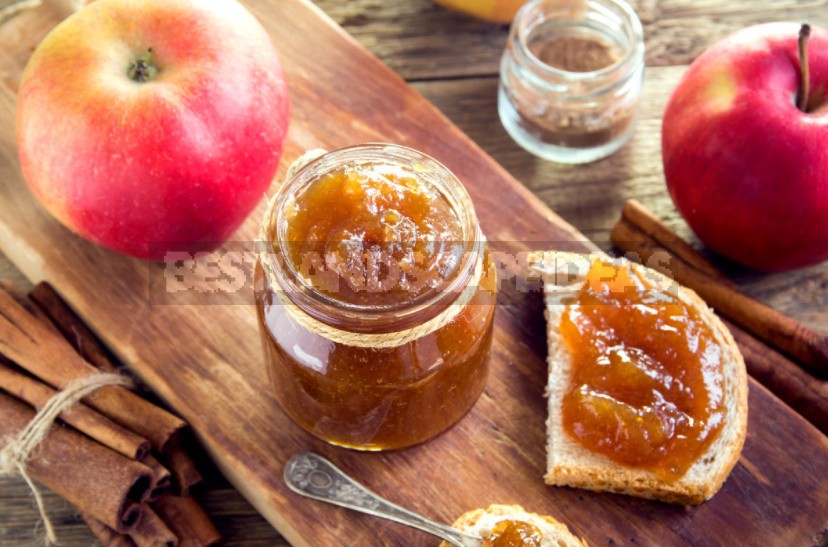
{"x": 371, "y": 318}
{"x": 631, "y": 53}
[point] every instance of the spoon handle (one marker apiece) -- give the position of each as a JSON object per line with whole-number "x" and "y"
{"x": 313, "y": 476}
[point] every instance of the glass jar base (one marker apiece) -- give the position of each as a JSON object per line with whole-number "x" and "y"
{"x": 381, "y": 447}
{"x": 514, "y": 123}
{"x": 356, "y": 447}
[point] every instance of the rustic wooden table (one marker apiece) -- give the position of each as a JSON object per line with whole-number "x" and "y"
{"x": 453, "y": 61}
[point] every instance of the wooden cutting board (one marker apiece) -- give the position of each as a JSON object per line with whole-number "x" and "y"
{"x": 204, "y": 357}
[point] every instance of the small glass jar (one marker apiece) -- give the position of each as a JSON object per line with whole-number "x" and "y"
{"x": 571, "y": 77}
{"x": 394, "y": 371}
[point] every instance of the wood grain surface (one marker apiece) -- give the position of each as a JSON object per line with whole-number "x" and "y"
{"x": 452, "y": 61}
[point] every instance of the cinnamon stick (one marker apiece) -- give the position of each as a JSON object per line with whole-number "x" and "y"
{"x": 160, "y": 478}
{"x": 651, "y": 225}
{"x": 805, "y": 345}
{"x": 23, "y": 300}
{"x": 106, "y": 535}
{"x": 75, "y": 331}
{"x": 152, "y": 531}
{"x": 799, "y": 390}
{"x": 79, "y": 416}
{"x": 187, "y": 520}
{"x": 184, "y": 470}
{"x": 181, "y": 515}
{"x": 71, "y": 326}
{"x": 45, "y": 354}
{"x": 97, "y": 480}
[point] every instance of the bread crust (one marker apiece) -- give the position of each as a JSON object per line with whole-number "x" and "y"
{"x": 571, "y": 464}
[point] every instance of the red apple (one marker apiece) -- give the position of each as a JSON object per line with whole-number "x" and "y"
{"x": 745, "y": 167}
{"x": 149, "y": 125}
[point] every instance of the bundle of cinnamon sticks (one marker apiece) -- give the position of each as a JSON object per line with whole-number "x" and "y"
{"x": 121, "y": 462}
{"x": 784, "y": 355}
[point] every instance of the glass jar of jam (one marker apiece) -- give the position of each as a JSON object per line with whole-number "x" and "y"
{"x": 375, "y": 297}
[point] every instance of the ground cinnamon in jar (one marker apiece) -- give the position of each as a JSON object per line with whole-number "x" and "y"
{"x": 571, "y": 79}
{"x": 575, "y": 53}
{"x": 579, "y": 127}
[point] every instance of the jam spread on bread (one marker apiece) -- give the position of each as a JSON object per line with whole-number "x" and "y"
{"x": 513, "y": 533}
{"x": 647, "y": 383}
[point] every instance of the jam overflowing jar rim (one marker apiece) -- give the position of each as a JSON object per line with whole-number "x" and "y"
{"x": 300, "y": 291}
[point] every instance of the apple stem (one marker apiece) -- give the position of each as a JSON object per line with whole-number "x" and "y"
{"x": 802, "y": 98}
{"x": 142, "y": 68}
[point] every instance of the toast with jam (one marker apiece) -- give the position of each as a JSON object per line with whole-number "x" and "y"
{"x": 647, "y": 391}
{"x": 507, "y": 525}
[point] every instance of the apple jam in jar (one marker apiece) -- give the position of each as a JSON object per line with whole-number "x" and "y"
{"x": 375, "y": 297}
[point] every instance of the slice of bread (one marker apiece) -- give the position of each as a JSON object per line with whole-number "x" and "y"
{"x": 571, "y": 464}
{"x": 480, "y": 522}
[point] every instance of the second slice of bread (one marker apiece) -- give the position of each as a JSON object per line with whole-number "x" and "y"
{"x": 571, "y": 464}
{"x": 479, "y": 522}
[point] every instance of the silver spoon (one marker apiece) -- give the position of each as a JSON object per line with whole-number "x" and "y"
{"x": 313, "y": 476}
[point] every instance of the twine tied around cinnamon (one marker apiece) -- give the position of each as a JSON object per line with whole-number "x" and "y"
{"x": 19, "y": 448}
{"x": 344, "y": 337}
